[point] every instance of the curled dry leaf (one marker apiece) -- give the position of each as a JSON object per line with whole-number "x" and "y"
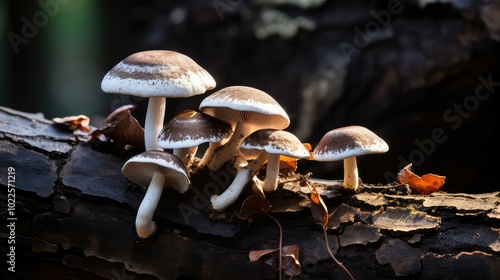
{"x": 318, "y": 207}
{"x": 80, "y": 122}
{"x": 290, "y": 266}
{"x": 252, "y": 206}
{"x": 121, "y": 128}
{"x": 426, "y": 184}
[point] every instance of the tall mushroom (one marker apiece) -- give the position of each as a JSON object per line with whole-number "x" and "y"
{"x": 157, "y": 74}
{"x": 276, "y": 143}
{"x": 347, "y": 143}
{"x": 272, "y": 144}
{"x": 248, "y": 109}
{"x": 189, "y": 129}
{"x": 154, "y": 170}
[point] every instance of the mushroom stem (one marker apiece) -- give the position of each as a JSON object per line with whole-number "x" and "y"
{"x": 351, "y": 180}
{"x": 230, "y": 195}
{"x": 154, "y": 122}
{"x": 209, "y": 153}
{"x": 231, "y": 148}
{"x": 272, "y": 173}
{"x": 144, "y": 224}
{"x": 185, "y": 154}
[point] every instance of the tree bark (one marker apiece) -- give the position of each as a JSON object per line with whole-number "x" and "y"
{"x": 74, "y": 214}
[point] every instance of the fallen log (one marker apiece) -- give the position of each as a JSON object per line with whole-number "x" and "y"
{"x": 69, "y": 213}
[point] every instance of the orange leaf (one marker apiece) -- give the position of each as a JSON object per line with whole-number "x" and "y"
{"x": 80, "y": 122}
{"x": 318, "y": 207}
{"x": 426, "y": 184}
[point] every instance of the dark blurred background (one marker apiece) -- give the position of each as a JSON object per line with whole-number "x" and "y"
{"x": 421, "y": 74}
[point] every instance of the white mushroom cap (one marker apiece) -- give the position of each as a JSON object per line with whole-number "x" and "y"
{"x": 247, "y": 105}
{"x": 191, "y": 128}
{"x": 154, "y": 170}
{"x": 349, "y": 141}
{"x": 158, "y": 73}
{"x": 141, "y": 168}
{"x": 276, "y": 142}
{"x": 249, "y": 109}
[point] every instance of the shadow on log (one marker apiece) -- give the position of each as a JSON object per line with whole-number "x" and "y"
{"x": 74, "y": 211}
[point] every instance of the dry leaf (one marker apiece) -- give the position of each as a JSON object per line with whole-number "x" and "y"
{"x": 255, "y": 255}
{"x": 318, "y": 207}
{"x": 426, "y": 184}
{"x": 291, "y": 264}
{"x": 252, "y": 206}
{"x": 80, "y": 122}
{"x": 121, "y": 128}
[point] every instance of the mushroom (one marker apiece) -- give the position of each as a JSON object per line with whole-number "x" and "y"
{"x": 190, "y": 128}
{"x": 346, "y": 143}
{"x": 276, "y": 143}
{"x": 157, "y": 74}
{"x": 272, "y": 144}
{"x": 154, "y": 170}
{"x": 248, "y": 109}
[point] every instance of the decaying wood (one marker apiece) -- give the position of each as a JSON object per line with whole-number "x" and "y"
{"x": 75, "y": 219}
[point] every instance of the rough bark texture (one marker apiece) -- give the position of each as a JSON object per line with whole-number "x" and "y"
{"x": 74, "y": 215}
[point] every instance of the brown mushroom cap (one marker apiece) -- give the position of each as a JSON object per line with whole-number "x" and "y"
{"x": 246, "y": 105}
{"x": 157, "y": 73}
{"x": 141, "y": 168}
{"x": 349, "y": 141}
{"x": 276, "y": 142}
{"x": 191, "y": 128}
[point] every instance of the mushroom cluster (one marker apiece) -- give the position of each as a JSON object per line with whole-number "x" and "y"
{"x": 235, "y": 121}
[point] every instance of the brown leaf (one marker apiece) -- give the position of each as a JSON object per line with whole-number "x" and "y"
{"x": 252, "y": 206}
{"x": 426, "y": 184}
{"x": 80, "y": 122}
{"x": 291, "y": 264}
{"x": 255, "y": 255}
{"x": 318, "y": 207}
{"x": 123, "y": 129}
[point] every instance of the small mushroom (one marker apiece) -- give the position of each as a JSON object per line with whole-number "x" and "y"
{"x": 154, "y": 170}
{"x": 189, "y": 129}
{"x": 157, "y": 74}
{"x": 347, "y": 143}
{"x": 276, "y": 143}
{"x": 248, "y": 109}
{"x": 272, "y": 144}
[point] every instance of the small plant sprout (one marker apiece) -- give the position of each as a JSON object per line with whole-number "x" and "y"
{"x": 347, "y": 143}
{"x": 154, "y": 170}
{"x": 157, "y": 74}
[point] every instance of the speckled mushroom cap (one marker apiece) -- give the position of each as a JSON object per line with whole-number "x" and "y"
{"x": 141, "y": 168}
{"x": 191, "y": 128}
{"x": 158, "y": 73}
{"x": 245, "y": 104}
{"x": 349, "y": 141}
{"x": 276, "y": 142}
